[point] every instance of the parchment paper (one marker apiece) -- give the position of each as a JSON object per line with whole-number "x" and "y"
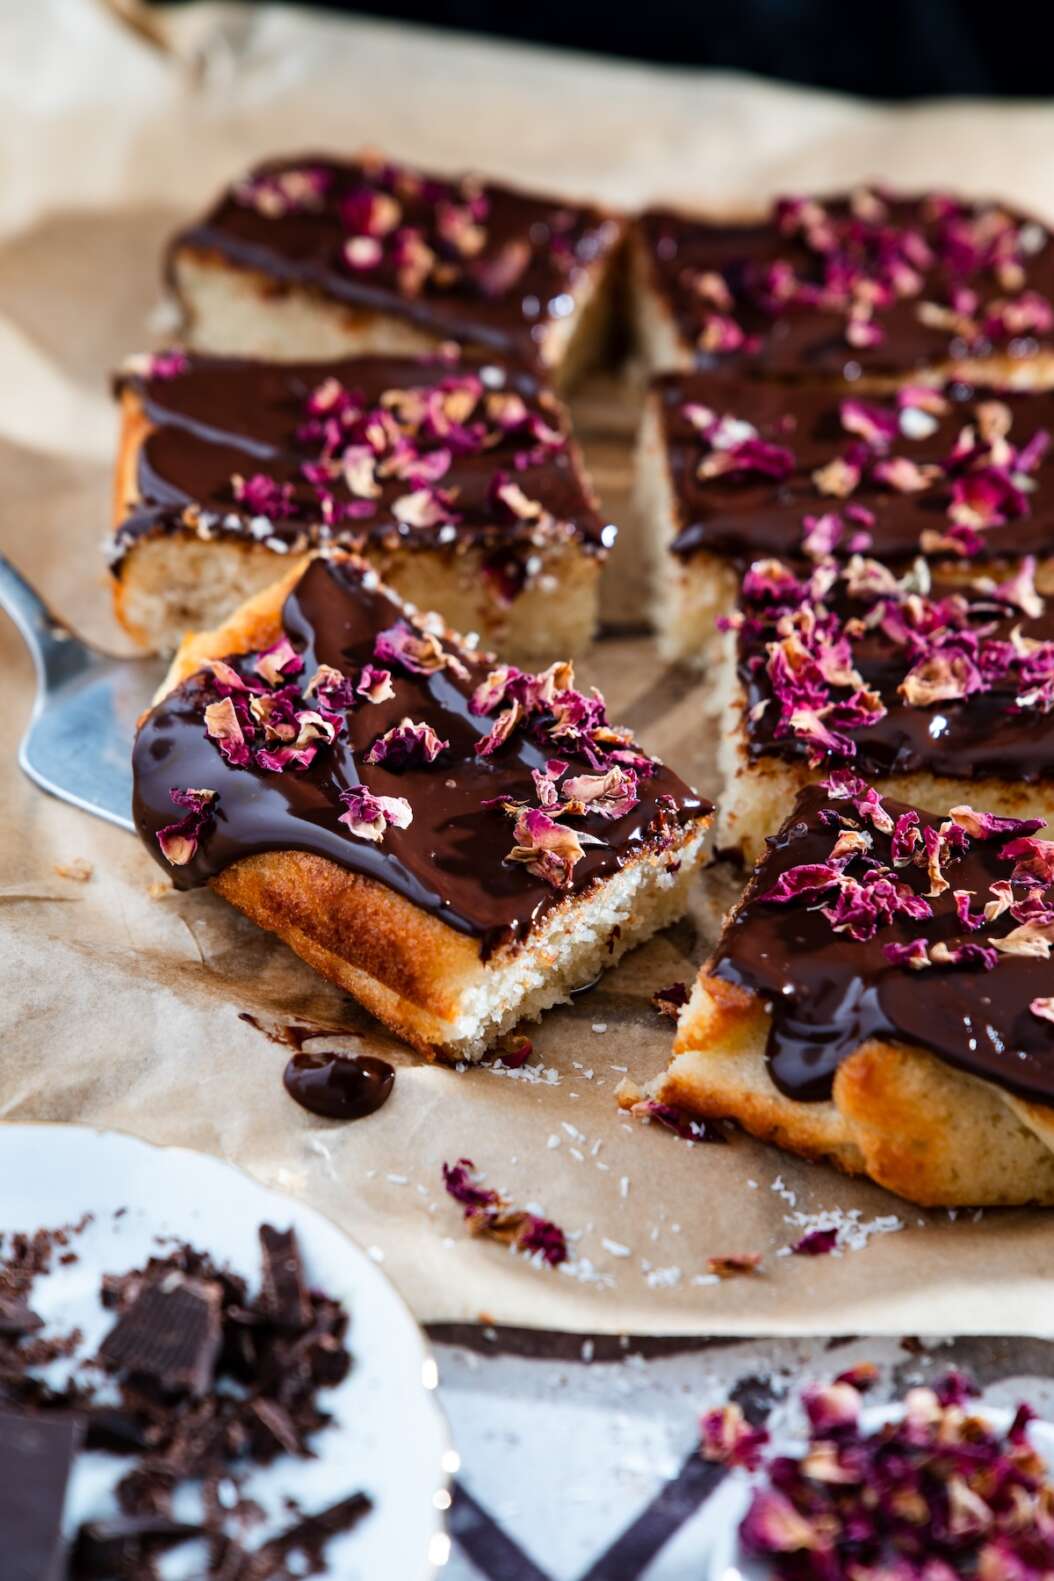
{"x": 121, "y": 1009}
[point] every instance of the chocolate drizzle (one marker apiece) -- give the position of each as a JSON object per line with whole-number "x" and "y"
{"x": 828, "y": 993}
{"x": 756, "y": 263}
{"x": 218, "y": 418}
{"x": 505, "y": 297}
{"x": 741, "y": 515}
{"x": 451, "y": 859}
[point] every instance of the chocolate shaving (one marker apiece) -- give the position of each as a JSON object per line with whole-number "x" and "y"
{"x": 283, "y": 1297}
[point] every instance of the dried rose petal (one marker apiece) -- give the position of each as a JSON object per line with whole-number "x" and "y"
{"x": 990, "y": 826}
{"x": 1033, "y": 861}
{"x": 612, "y": 794}
{"x": 514, "y": 1050}
{"x": 408, "y": 742}
{"x": 167, "y": 364}
{"x": 548, "y": 849}
{"x": 807, "y": 878}
{"x": 844, "y": 785}
{"x": 1042, "y": 1006}
{"x": 817, "y": 1243}
{"x": 459, "y": 1180}
{"x": 834, "y": 1407}
{"x": 374, "y": 684}
{"x": 912, "y": 954}
{"x": 679, "y": 1121}
{"x": 369, "y": 816}
{"x": 264, "y": 496}
{"x": 420, "y": 652}
{"x": 501, "y": 730}
{"x": 725, "y": 1436}
{"x": 773, "y": 1526}
{"x": 179, "y": 841}
{"x": 487, "y": 1213}
{"x": 964, "y": 952}
{"x": 875, "y": 425}
{"x": 278, "y": 661}
{"x": 225, "y": 728}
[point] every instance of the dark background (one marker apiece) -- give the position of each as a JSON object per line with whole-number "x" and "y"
{"x": 893, "y": 49}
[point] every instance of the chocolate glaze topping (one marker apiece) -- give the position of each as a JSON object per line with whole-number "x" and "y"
{"x": 828, "y": 992}
{"x": 964, "y": 737}
{"x": 216, "y": 419}
{"x": 743, "y": 513}
{"x": 451, "y": 859}
{"x": 778, "y": 293}
{"x": 498, "y": 268}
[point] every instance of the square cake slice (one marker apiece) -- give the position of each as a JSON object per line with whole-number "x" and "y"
{"x": 882, "y": 997}
{"x": 870, "y": 284}
{"x": 933, "y": 691}
{"x": 458, "y": 479}
{"x": 321, "y": 257}
{"x": 457, "y": 844}
{"x": 731, "y": 468}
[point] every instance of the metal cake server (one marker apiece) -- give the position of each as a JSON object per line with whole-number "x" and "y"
{"x": 79, "y": 742}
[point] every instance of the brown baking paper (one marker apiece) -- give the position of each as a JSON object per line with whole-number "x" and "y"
{"x": 121, "y": 1009}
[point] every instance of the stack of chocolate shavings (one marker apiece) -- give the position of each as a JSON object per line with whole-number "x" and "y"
{"x": 210, "y": 1384}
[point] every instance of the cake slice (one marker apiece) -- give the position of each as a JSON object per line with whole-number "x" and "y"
{"x": 867, "y": 285}
{"x": 321, "y": 257}
{"x": 456, "y": 843}
{"x": 731, "y": 468}
{"x": 933, "y": 691}
{"x": 458, "y": 479}
{"x": 882, "y": 997}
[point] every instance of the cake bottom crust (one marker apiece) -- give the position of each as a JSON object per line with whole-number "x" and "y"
{"x": 169, "y": 584}
{"x": 897, "y": 1114}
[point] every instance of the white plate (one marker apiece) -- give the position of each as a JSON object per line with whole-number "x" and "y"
{"x": 388, "y": 1436}
{"x": 723, "y": 1557}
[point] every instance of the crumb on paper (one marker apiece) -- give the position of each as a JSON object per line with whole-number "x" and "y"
{"x": 79, "y": 870}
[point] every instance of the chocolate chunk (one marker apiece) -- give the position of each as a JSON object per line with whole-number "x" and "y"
{"x": 36, "y": 1456}
{"x": 111, "y": 1547}
{"x": 339, "y": 1087}
{"x": 118, "y": 1432}
{"x": 310, "y": 1533}
{"x": 278, "y": 1431}
{"x": 284, "y": 1297}
{"x": 16, "y": 1318}
{"x": 169, "y": 1335}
